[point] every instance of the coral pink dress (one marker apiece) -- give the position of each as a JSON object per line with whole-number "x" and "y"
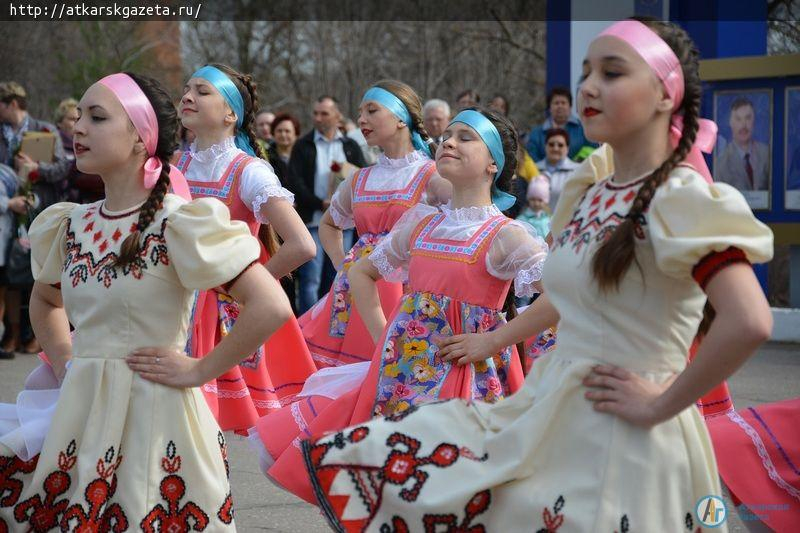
{"x": 372, "y": 200}
{"x": 758, "y": 455}
{"x": 459, "y": 264}
{"x": 274, "y": 374}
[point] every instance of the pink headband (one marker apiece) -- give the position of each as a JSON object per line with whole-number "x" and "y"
{"x": 143, "y": 117}
{"x": 667, "y": 67}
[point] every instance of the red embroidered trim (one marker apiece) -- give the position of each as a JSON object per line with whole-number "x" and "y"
{"x": 109, "y": 216}
{"x": 620, "y": 186}
{"x": 711, "y": 264}
{"x": 229, "y": 284}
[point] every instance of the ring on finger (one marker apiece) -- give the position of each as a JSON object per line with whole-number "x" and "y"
{"x": 158, "y": 360}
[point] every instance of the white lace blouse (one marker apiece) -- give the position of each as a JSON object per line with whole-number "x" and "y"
{"x": 386, "y": 175}
{"x": 258, "y": 184}
{"x": 516, "y": 252}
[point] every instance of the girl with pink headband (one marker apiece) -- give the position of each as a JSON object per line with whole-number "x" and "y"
{"x": 604, "y": 434}
{"x": 128, "y": 442}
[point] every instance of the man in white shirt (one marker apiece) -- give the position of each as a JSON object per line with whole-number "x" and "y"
{"x": 435, "y": 118}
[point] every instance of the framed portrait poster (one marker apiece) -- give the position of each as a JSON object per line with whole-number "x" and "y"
{"x": 743, "y": 154}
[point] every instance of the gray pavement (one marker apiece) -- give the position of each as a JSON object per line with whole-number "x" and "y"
{"x": 773, "y": 374}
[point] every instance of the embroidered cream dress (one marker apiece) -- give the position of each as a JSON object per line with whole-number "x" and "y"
{"x": 123, "y": 453}
{"x": 543, "y": 460}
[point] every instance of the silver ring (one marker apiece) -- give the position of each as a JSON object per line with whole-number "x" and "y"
{"x": 158, "y": 360}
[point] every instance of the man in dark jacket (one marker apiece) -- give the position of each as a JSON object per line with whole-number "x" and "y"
{"x": 309, "y": 179}
{"x": 49, "y": 177}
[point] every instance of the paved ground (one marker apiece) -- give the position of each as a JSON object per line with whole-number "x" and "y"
{"x": 773, "y": 374}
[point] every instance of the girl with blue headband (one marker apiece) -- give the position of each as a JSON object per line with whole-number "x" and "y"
{"x": 604, "y": 435}
{"x": 372, "y": 200}
{"x": 218, "y": 106}
{"x": 459, "y": 261}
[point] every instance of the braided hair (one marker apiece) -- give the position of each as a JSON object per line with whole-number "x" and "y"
{"x": 411, "y": 100}
{"x": 510, "y": 140}
{"x": 167, "y": 119}
{"x": 614, "y": 257}
{"x": 248, "y": 91}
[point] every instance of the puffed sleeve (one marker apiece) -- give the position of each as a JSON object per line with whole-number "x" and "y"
{"x": 206, "y": 247}
{"x": 392, "y": 254}
{"x": 698, "y": 228}
{"x": 341, "y": 208}
{"x": 259, "y": 184}
{"x": 517, "y": 253}
{"x": 48, "y": 235}
{"x": 594, "y": 168}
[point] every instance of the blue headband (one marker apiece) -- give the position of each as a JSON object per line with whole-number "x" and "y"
{"x": 233, "y": 97}
{"x": 398, "y": 109}
{"x": 491, "y": 138}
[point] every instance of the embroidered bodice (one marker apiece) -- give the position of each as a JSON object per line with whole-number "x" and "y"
{"x": 115, "y": 309}
{"x": 215, "y": 172}
{"x": 650, "y": 321}
{"x": 374, "y": 198}
{"x": 469, "y": 253}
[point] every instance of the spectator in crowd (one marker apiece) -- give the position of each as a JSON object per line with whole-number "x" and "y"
{"x": 48, "y": 177}
{"x": 48, "y": 185}
{"x": 81, "y": 188}
{"x": 468, "y": 98}
{"x": 354, "y": 132}
{"x": 526, "y": 171}
{"x": 556, "y": 166}
{"x": 285, "y": 131}
{"x": 309, "y": 179}
{"x": 264, "y": 120}
{"x": 537, "y": 212}
{"x": 559, "y": 104}
{"x": 435, "y": 118}
{"x": 11, "y": 204}
{"x": 499, "y": 103}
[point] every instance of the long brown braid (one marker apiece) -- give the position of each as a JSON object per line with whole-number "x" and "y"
{"x": 248, "y": 90}
{"x": 411, "y": 100}
{"x": 167, "y": 119}
{"x": 615, "y": 256}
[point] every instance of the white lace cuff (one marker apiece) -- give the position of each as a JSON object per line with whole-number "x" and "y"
{"x": 342, "y": 220}
{"x": 263, "y": 196}
{"x": 524, "y": 280}
{"x": 389, "y": 272}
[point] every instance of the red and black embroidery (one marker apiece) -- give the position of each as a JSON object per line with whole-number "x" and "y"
{"x": 552, "y": 519}
{"x": 689, "y": 522}
{"x": 225, "y": 512}
{"x": 476, "y": 506}
{"x": 713, "y": 263}
{"x": 596, "y": 221}
{"x": 100, "y": 517}
{"x": 625, "y": 525}
{"x": 403, "y": 468}
{"x": 173, "y": 489}
{"x": 81, "y": 266}
{"x": 10, "y": 487}
{"x": 44, "y": 515}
